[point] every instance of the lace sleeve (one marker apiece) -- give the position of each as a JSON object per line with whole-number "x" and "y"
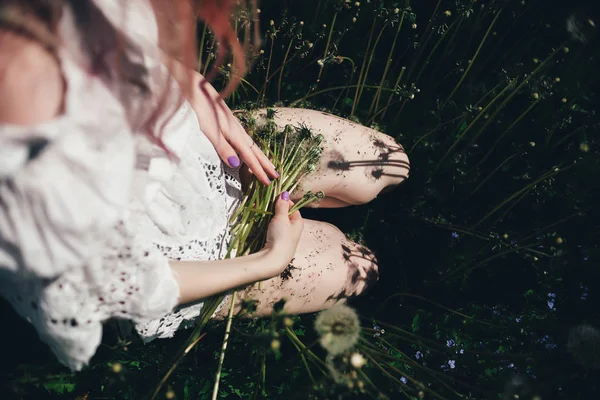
{"x": 131, "y": 280}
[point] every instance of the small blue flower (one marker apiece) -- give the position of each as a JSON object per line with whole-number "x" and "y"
{"x": 455, "y": 235}
{"x": 452, "y": 364}
{"x": 418, "y": 355}
{"x": 552, "y": 295}
{"x": 450, "y": 343}
{"x": 511, "y": 365}
{"x": 462, "y": 351}
{"x": 584, "y": 295}
{"x": 517, "y": 320}
{"x": 403, "y": 380}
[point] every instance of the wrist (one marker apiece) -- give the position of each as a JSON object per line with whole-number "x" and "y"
{"x": 271, "y": 263}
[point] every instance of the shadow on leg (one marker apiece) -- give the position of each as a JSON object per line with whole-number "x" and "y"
{"x": 358, "y": 163}
{"x": 327, "y": 269}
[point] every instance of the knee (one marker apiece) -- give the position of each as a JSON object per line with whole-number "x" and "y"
{"x": 363, "y": 270}
{"x": 395, "y": 165}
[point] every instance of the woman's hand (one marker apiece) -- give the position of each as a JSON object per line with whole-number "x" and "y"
{"x": 283, "y": 235}
{"x": 219, "y": 125}
{"x": 227, "y": 135}
{"x": 200, "y": 279}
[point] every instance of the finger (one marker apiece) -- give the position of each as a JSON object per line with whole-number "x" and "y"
{"x": 264, "y": 161}
{"x": 262, "y": 158}
{"x": 282, "y": 206}
{"x": 227, "y": 154}
{"x": 295, "y": 217}
{"x": 253, "y": 164}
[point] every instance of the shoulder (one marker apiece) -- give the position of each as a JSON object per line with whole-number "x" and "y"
{"x": 31, "y": 82}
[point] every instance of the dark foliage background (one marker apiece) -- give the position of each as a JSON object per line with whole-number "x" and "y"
{"x": 488, "y": 253}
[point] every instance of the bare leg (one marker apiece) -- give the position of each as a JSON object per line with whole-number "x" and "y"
{"x": 326, "y": 269}
{"x": 357, "y": 162}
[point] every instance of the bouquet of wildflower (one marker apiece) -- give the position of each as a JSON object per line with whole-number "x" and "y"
{"x": 295, "y": 151}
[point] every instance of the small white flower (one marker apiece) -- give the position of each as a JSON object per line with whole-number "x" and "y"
{"x": 357, "y": 360}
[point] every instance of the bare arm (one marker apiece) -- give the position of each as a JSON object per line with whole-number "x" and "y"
{"x": 31, "y": 84}
{"x": 218, "y": 123}
{"x": 201, "y": 279}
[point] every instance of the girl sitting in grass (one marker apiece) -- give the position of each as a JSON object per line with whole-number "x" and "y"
{"x": 119, "y": 171}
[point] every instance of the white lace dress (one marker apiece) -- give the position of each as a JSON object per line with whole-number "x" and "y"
{"x": 90, "y": 213}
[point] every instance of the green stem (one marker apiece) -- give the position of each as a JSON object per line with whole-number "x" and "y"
{"x": 287, "y": 52}
{"x": 514, "y": 123}
{"x": 491, "y": 174}
{"x": 391, "y": 96}
{"x": 472, "y": 124}
{"x": 426, "y": 63}
{"x": 514, "y": 93}
{"x": 423, "y": 44}
{"x": 551, "y": 173}
{"x": 308, "y": 96}
{"x": 224, "y": 347}
{"x": 362, "y": 85}
{"x": 327, "y": 47}
{"x": 362, "y": 68}
{"x": 375, "y": 101}
{"x": 487, "y": 33}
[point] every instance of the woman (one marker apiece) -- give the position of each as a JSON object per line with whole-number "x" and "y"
{"x": 118, "y": 174}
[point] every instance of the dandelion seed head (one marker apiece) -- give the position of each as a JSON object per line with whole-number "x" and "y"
{"x": 338, "y": 329}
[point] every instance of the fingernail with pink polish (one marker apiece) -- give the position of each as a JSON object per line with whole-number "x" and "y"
{"x": 277, "y": 174}
{"x": 285, "y": 196}
{"x": 234, "y": 161}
